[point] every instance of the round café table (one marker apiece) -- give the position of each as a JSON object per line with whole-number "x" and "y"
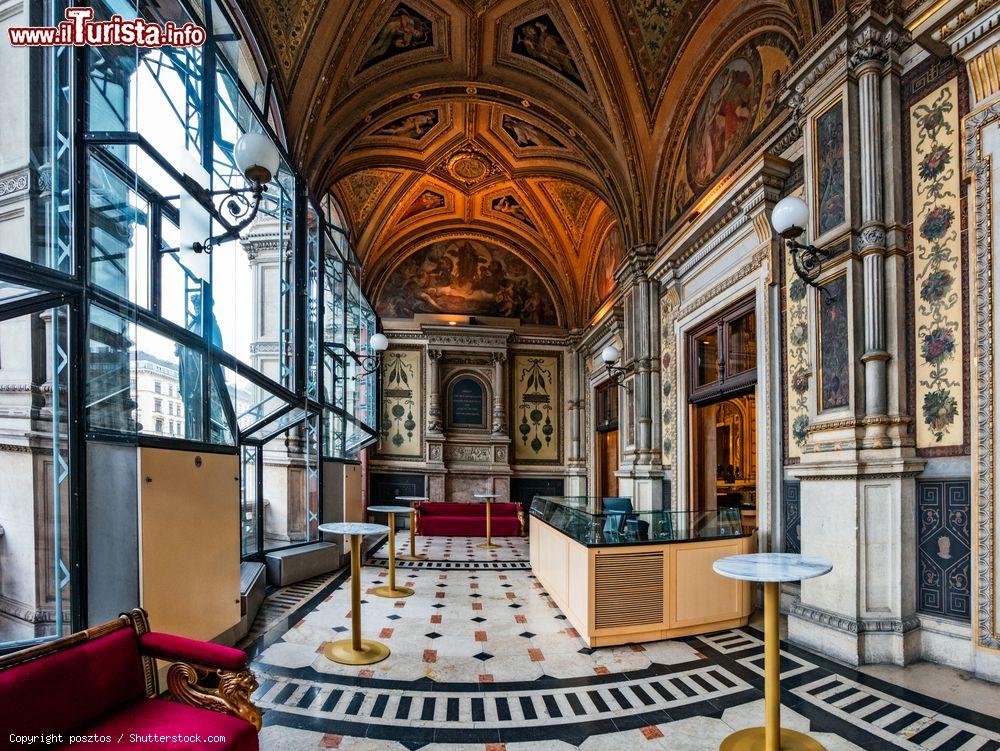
{"x": 488, "y": 497}
{"x": 771, "y": 569}
{"x": 391, "y": 590}
{"x": 355, "y": 651}
{"x": 413, "y": 555}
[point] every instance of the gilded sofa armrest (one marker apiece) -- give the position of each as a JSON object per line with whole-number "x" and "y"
{"x": 206, "y": 675}
{"x": 520, "y": 519}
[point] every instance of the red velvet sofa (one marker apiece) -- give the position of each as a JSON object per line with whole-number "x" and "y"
{"x": 469, "y": 519}
{"x": 101, "y": 684}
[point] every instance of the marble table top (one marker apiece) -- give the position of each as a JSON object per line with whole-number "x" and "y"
{"x": 387, "y": 509}
{"x": 485, "y": 495}
{"x": 411, "y": 498}
{"x": 354, "y": 528}
{"x": 772, "y": 567}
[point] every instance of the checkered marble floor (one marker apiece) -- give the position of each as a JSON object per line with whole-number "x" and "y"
{"x": 483, "y": 659}
{"x": 444, "y": 552}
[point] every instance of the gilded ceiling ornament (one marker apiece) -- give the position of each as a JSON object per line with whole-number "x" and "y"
{"x": 573, "y": 203}
{"x": 288, "y": 21}
{"x": 469, "y": 167}
{"x": 363, "y": 190}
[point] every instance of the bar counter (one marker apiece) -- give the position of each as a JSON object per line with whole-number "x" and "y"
{"x": 627, "y": 577}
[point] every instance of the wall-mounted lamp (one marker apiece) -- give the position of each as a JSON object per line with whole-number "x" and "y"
{"x": 616, "y": 373}
{"x": 379, "y": 343}
{"x": 789, "y": 219}
{"x": 258, "y": 159}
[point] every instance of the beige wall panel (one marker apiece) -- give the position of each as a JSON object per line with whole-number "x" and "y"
{"x": 699, "y": 595}
{"x": 189, "y": 543}
{"x": 579, "y": 583}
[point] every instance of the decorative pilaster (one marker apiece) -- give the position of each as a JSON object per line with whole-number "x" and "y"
{"x": 499, "y": 418}
{"x": 434, "y": 421}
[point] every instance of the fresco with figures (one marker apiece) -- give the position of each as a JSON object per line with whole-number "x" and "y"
{"x": 831, "y": 199}
{"x": 834, "y": 346}
{"x": 540, "y": 40}
{"x": 526, "y": 135}
{"x": 426, "y": 201}
{"x": 404, "y": 31}
{"x": 612, "y": 254}
{"x": 736, "y": 105}
{"x": 935, "y": 190}
{"x": 401, "y": 425}
{"x": 413, "y": 127}
{"x": 466, "y": 277}
{"x": 535, "y": 422}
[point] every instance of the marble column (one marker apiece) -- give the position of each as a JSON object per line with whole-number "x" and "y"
{"x": 868, "y": 61}
{"x": 499, "y": 418}
{"x": 576, "y": 474}
{"x": 434, "y": 422}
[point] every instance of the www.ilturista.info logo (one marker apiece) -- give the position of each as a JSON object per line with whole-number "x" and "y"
{"x": 79, "y": 30}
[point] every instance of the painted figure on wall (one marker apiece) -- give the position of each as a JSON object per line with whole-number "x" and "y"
{"x": 466, "y": 277}
{"x": 830, "y": 198}
{"x": 426, "y": 201}
{"x": 510, "y": 206}
{"x": 733, "y": 109}
{"x": 405, "y": 31}
{"x": 612, "y": 254}
{"x": 527, "y": 135}
{"x": 539, "y": 40}
{"x": 835, "y": 362}
{"x": 413, "y": 126}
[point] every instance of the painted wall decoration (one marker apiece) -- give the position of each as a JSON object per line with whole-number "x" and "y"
{"x": 834, "y": 346}
{"x": 404, "y": 31}
{"x": 828, "y": 141}
{"x": 736, "y": 105}
{"x": 426, "y": 201}
{"x": 944, "y": 560}
{"x": 796, "y": 359}
{"x": 573, "y": 203}
{"x": 668, "y": 380}
{"x": 540, "y": 40}
{"x": 466, "y": 277}
{"x": 526, "y": 135}
{"x": 510, "y": 206}
{"x": 413, "y": 126}
{"x": 535, "y": 418}
{"x": 363, "y": 190}
{"x": 792, "y": 515}
{"x": 937, "y": 268}
{"x": 612, "y": 254}
{"x": 400, "y": 431}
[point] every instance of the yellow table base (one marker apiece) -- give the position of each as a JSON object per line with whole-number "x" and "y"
{"x": 345, "y": 653}
{"x": 413, "y": 555}
{"x": 390, "y": 589}
{"x": 356, "y": 651}
{"x": 488, "y": 545}
{"x": 752, "y": 739}
{"x": 767, "y": 737}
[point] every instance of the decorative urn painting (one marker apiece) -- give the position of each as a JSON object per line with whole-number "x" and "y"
{"x": 467, "y": 277}
{"x": 535, "y": 422}
{"x": 402, "y": 404}
{"x": 736, "y": 105}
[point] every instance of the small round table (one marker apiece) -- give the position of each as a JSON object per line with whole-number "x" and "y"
{"x": 391, "y": 590}
{"x": 413, "y": 555}
{"x": 488, "y": 497}
{"x": 771, "y": 569}
{"x": 355, "y": 651}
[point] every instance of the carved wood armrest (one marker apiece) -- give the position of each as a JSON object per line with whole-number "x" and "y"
{"x": 520, "y": 519}
{"x": 219, "y": 690}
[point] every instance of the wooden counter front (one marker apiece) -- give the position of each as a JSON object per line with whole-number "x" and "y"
{"x": 645, "y": 592}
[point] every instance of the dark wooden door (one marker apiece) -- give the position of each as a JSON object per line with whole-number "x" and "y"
{"x": 607, "y": 458}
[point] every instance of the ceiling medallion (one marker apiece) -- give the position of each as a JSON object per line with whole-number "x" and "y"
{"x": 469, "y": 167}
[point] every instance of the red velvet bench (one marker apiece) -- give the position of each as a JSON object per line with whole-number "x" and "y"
{"x": 468, "y": 519}
{"x": 102, "y": 683}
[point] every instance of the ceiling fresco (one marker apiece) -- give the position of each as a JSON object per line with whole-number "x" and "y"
{"x": 533, "y": 125}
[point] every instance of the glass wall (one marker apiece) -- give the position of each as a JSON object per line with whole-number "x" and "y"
{"x": 114, "y": 328}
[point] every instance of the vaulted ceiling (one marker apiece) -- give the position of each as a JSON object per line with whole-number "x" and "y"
{"x": 559, "y": 130}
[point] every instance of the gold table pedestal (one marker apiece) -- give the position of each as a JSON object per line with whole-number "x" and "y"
{"x": 771, "y": 737}
{"x": 356, "y": 651}
{"x": 390, "y": 589}
{"x": 413, "y": 555}
{"x": 488, "y": 545}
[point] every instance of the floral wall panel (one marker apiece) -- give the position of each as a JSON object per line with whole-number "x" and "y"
{"x": 401, "y": 428}
{"x": 796, "y": 359}
{"x": 834, "y": 346}
{"x": 536, "y": 407}
{"x": 935, "y": 191}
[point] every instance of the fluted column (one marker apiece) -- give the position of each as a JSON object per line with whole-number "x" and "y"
{"x": 868, "y": 62}
{"x": 499, "y": 419}
{"x": 433, "y": 392}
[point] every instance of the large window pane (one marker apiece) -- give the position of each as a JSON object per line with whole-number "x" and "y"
{"x": 34, "y": 481}
{"x": 110, "y": 402}
{"x": 291, "y": 492}
{"x": 169, "y": 388}
{"x": 119, "y": 235}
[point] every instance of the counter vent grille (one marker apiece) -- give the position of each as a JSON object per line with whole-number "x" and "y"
{"x": 628, "y": 590}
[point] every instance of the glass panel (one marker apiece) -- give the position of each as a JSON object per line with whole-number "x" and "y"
{"x": 707, "y": 354}
{"x": 35, "y": 555}
{"x": 249, "y": 522}
{"x": 742, "y": 355}
{"x": 177, "y": 410}
{"x": 119, "y": 236}
{"x": 251, "y": 403}
{"x": 264, "y": 432}
{"x": 290, "y": 495}
{"x": 110, "y": 401}
{"x": 11, "y": 292}
{"x": 218, "y": 413}
{"x": 333, "y": 435}
{"x": 313, "y": 346}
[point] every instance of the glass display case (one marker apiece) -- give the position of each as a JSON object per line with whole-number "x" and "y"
{"x": 593, "y": 522}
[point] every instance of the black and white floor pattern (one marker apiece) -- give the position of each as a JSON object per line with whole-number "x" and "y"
{"x": 482, "y": 659}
